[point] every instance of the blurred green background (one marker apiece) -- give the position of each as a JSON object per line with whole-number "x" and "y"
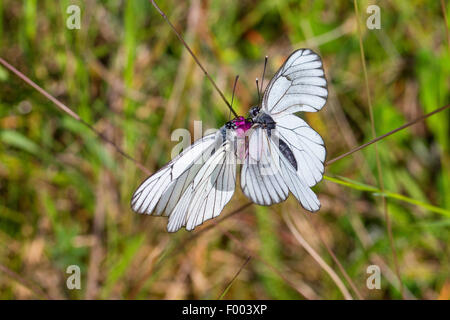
{"x": 64, "y": 193}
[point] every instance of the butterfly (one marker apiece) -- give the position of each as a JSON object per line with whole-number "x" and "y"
{"x": 279, "y": 152}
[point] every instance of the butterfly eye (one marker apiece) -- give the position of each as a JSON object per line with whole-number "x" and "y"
{"x": 254, "y": 111}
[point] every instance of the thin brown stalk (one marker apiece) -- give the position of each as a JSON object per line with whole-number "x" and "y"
{"x": 97, "y": 251}
{"x": 193, "y": 56}
{"x": 305, "y": 290}
{"x": 238, "y": 210}
{"x": 38, "y": 292}
{"x": 377, "y": 156}
{"x": 335, "y": 259}
{"x": 293, "y": 227}
{"x": 71, "y": 113}
{"x": 59, "y": 104}
{"x": 406, "y": 125}
{"x": 189, "y": 239}
{"x": 366, "y": 241}
{"x": 224, "y": 292}
{"x": 182, "y": 71}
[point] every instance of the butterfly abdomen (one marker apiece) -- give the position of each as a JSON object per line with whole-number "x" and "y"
{"x": 265, "y": 121}
{"x": 287, "y": 152}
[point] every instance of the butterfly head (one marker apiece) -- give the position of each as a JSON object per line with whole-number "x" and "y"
{"x": 254, "y": 111}
{"x": 239, "y": 125}
{"x": 230, "y": 125}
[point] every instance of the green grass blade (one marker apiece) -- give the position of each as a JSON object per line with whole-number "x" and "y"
{"x": 364, "y": 187}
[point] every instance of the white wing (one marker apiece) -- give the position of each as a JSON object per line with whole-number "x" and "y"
{"x": 261, "y": 179}
{"x": 295, "y": 182}
{"x": 208, "y": 193}
{"x": 299, "y": 85}
{"x": 307, "y": 146}
{"x": 165, "y": 186}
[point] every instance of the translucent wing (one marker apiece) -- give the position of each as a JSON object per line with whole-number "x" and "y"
{"x": 165, "y": 186}
{"x": 306, "y": 145}
{"x": 261, "y": 179}
{"x": 299, "y": 85}
{"x": 208, "y": 193}
{"x": 293, "y": 179}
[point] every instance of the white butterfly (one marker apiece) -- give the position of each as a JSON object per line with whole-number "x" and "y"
{"x": 280, "y": 153}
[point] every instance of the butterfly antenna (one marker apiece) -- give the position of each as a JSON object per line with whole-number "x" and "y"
{"x": 232, "y": 96}
{"x": 264, "y": 73}
{"x": 257, "y": 89}
{"x": 193, "y": 56}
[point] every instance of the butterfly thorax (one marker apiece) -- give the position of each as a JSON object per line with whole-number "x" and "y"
{"x": 240, "y": 125}
{"x": 263, "y": 119}
{"x": 235, "y": 131}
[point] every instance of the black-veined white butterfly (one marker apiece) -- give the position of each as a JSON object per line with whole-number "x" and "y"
{"x": 279, "y": 152}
